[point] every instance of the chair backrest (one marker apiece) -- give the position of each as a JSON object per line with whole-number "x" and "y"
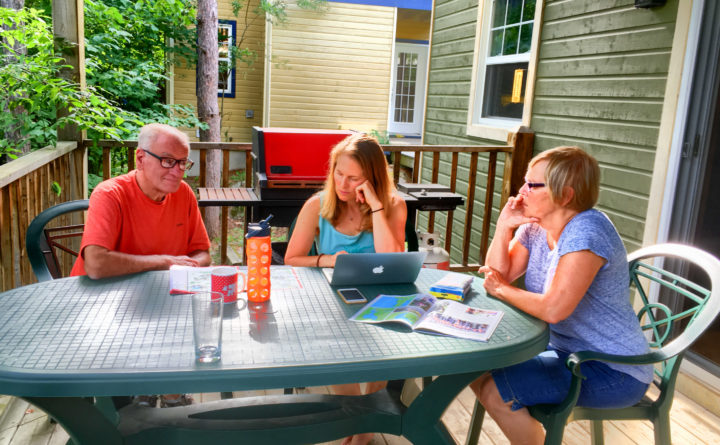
{"x": 41, "y": 242}
{"x": 690, "y": 307}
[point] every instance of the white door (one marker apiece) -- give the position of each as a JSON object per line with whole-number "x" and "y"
{"x": 407, "y": 102}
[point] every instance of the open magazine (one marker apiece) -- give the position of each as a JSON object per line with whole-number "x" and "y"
{"x": 425, "y": 313}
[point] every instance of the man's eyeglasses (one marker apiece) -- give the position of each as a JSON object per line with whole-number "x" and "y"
{"x": 534, "y": 185}
{"x": 185, "y": 164}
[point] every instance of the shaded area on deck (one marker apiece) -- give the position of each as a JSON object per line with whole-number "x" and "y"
{"x": 23, "y": 424}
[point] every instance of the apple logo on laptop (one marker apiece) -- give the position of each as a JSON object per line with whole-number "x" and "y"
{"x": 378, "y": 269}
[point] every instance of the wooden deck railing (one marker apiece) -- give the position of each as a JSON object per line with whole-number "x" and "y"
{"x": 516, "y": 155}
{"x": 28, "y": 186}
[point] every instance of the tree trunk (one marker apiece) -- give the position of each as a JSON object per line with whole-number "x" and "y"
{"x": 207, "y": 92}
{"x": 12, "y": 133}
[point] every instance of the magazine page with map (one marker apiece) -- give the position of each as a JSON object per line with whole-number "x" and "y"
{"x": 425, "y": 313}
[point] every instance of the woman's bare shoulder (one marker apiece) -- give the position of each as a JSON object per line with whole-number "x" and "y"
{"x": 397, "y": 200}
{"x": 312, "y": 205}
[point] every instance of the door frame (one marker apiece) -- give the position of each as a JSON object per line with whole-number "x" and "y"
{"x": 690, "y": 147}
{"x": 415, "y": 128}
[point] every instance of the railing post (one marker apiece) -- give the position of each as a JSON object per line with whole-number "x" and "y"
{"x": 201, "y": 176}
{"x": 516, "y": 162}
{"x": 224, "y": 209}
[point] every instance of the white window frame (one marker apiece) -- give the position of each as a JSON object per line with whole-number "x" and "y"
{"x": 229, "y": 91}
{"x": 499, "y": 128}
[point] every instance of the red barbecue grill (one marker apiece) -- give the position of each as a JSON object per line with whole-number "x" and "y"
{"x": 290, "y": 165}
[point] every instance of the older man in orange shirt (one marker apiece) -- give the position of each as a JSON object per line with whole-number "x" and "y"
{"x": 147, "y": 219}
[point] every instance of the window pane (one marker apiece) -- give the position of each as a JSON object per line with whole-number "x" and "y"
{"x": 499, "y": 13}
{"x": 511, "y": 41}
{"x": 499, "y": 80}
{"x": 528, "y": 10}
{"x": 514, "y": 11}
{"x": 496, "y": 45}
{"x": 525, "y": 38}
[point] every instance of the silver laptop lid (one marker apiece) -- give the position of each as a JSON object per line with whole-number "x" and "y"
{"x": 377, "y": 268}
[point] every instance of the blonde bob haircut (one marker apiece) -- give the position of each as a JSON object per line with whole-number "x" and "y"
{"x": 366, "y": 151}
{"x": 571, "y": 167}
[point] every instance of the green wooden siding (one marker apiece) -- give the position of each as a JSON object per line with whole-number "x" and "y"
{"x": 600, "y": 85}
{"x": 602, "y": 69}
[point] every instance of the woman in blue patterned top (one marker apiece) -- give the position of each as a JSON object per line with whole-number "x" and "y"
{"x": 357, "y": 211}
{"x": 576, "y": 276}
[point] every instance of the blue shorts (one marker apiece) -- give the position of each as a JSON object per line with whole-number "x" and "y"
{"x": 546, "y": 379}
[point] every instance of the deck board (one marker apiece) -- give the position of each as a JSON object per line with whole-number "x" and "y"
{"x": 23, "y": 424}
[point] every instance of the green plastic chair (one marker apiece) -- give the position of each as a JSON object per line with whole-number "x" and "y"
{"x": 696, "y": 308}
{"x": 41, "y": 242}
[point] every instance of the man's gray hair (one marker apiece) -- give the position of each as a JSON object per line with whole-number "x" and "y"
{"x": 150, "y": 132}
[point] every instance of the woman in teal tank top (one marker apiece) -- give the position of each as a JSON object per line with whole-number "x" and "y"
{"x": 358, "y": 211}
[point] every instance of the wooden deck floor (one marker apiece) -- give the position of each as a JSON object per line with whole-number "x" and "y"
{"x": 23, "y": 424}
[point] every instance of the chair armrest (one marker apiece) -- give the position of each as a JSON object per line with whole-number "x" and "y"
{"x": 575, "y": 359}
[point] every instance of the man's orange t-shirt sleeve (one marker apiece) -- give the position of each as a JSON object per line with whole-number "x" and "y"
{"x": 102, "y": 226}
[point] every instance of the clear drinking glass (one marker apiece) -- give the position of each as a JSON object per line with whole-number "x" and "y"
{"x": 207, "y": 310}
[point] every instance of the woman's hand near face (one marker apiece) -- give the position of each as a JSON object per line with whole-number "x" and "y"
{"x": 365, "y": 193}
{"x": 512, "y": 216}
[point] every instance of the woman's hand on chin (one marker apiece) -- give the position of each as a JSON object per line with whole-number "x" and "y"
{"x": 512, "y": 215}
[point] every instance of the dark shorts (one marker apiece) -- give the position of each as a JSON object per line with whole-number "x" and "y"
{"x": 546, "y": 379}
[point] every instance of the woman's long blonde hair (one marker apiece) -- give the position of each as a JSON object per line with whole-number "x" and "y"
{"x": 366, "y": 151}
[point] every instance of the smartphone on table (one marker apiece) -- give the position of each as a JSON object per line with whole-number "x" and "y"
{"x": 351, "y": 296}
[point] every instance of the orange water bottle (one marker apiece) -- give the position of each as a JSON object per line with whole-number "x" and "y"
{"x": 258, "y": 252}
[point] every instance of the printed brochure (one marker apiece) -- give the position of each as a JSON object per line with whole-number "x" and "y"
{"x": 187, "y": 279}
{"x": 427, "y": 314}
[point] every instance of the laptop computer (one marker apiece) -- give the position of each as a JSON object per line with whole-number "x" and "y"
{"x": 375, "y": 268}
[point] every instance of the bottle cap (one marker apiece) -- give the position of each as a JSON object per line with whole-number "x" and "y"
{"x": 258, "y": 229}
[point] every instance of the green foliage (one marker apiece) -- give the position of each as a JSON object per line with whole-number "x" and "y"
{"x": 36, "y": 90}
{"x": 127, "y": 46}
{"x": 381, "y": 136}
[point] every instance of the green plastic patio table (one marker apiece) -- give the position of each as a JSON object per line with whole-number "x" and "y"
{"x": 68, "y": 344}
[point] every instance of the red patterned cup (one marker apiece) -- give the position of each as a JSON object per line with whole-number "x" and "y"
{"x": 225, "y": 281}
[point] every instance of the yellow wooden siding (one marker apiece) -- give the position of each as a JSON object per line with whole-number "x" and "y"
{"x": 248, "y": 81}
{"x": 332, "y": 69}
